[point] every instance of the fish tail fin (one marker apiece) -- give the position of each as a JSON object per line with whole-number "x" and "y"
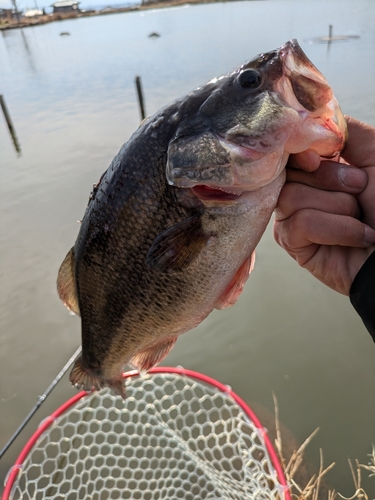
{"x": 83, "y": 378}
{"x": 145, "y": 360}
{"x": 66, "y": 286}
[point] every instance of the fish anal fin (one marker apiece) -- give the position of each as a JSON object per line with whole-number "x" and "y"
{"x": 83, "y": 378}
{"x": 235, "y": 287}
{"x": 176, "y": 248}
{"x": 145, "y": 360}
{"x": 66, "y": 286}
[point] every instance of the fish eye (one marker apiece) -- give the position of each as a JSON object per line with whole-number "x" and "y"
{"x": 249, "y": 79}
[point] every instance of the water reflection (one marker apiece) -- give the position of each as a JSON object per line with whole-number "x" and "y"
{"x": 9, "y": 122}
{"x": 17, "y": 44}
{"x": 28, "y": 51}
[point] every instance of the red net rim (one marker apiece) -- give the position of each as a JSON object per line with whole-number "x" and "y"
{"x": 13, "y": 473}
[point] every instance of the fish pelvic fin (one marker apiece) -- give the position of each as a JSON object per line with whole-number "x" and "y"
{"x": 83, "y": 378}
{"x": 66, "y": 286}
{"x": 176, "y": 248}
{"x": 145, "y": 360}
{"x": 235, "y": 287}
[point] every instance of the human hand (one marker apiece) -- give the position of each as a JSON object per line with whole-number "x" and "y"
{"x": 325, "y": 218}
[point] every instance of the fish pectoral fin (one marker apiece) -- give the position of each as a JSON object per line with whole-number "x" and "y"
{"x": 235, "y": 287}
{"x": 66, "y": 286}
{"x": 176, "y": 248}
{"x": 145, "y": 360}
{"x": 83, "y": 378}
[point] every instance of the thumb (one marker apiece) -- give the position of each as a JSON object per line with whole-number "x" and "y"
{"x": 360, "y": 147}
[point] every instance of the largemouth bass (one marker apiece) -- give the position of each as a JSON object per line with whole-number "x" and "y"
{"x": 170, "y": 229}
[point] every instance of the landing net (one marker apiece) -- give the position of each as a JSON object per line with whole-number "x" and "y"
{"x": 178, "y": 435}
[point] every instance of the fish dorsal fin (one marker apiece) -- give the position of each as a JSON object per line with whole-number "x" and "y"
{"x": 176, "y": 248}
{"x": 66, "y": 286}
{"x": 145, "y": 360}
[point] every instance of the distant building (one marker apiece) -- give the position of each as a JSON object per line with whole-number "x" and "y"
{"x": 6, "y": 14}
{"x": 33, "y": 13}
{"x": 9, "y": 14}
{"x": 65, "y": 6}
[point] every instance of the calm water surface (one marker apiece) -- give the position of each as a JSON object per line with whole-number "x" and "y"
{"x": 72, "y": 100}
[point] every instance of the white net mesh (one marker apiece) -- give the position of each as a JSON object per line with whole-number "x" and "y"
{"x": 172, "y": 438}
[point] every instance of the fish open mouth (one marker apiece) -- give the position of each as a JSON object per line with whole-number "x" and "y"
{"x": 207, "y": 193}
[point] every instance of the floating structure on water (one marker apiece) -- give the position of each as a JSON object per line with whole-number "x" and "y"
{"x": 331, "y": 38}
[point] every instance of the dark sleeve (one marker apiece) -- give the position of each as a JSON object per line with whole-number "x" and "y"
{"x": 362, "y": 294}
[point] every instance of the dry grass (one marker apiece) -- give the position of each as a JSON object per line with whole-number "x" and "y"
{"x": 313, "y": 489}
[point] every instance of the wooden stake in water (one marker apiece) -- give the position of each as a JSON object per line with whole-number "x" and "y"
{"x": 140, "y": 96}
{"x": 10, "y": 124}
{"x": 330, "y": 33}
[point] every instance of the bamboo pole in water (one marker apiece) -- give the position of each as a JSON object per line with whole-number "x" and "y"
{"x": 10, "y": 124}
{"x": 140, "y": 96}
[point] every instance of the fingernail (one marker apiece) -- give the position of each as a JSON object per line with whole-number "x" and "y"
{"x": 369, "y": 235}
{"x": 353, "y": 177}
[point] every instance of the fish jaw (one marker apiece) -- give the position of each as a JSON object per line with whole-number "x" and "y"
{"x": 303, "y": 87}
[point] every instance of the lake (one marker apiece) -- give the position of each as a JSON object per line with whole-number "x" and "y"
{"x": 73, "y": 103}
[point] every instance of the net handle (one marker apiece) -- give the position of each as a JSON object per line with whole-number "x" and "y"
{"x": 14, "y": 471}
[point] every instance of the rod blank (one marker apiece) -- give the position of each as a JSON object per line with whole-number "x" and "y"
{"x": 41, "y": 399}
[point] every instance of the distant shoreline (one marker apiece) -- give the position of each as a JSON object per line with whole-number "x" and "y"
{"x": 49, "y": 18}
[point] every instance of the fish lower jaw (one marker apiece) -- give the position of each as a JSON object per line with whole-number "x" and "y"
{"x": 221, "y": 194}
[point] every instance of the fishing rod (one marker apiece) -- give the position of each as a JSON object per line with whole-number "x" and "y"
{"x": 41, "y": 399}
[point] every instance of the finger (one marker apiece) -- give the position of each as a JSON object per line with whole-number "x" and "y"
{"x": 359, "y": 149}
{"x": 308, "y": 160}
{"x": 331, "y": 176}
{"x": 367, "y": 197}
{"x": 312, "y": 227}
{"x": 295, "y": 197}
